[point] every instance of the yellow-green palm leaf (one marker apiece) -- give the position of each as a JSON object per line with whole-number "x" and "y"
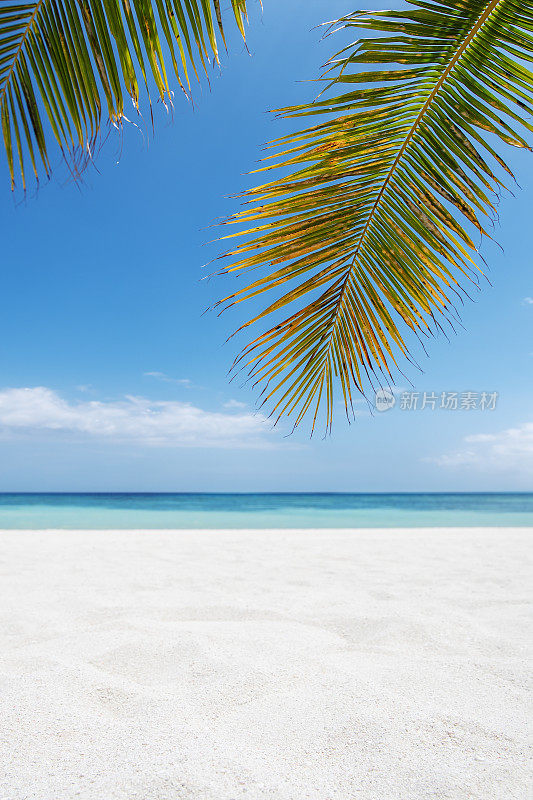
{"x": 372, "y": 231}
{"x": 65, "y": 65}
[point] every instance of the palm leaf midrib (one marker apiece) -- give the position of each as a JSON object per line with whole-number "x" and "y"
{"x": 458, "y": 53}
{"x": 18, "y": 52}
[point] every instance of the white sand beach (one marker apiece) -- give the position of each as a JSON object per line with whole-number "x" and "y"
{"x": 279, "y": 665}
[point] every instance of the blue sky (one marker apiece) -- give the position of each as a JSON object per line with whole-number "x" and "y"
{"x": 112, "y": 378}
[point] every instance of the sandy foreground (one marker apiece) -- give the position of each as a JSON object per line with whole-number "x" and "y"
{"x": 220, "y": 665}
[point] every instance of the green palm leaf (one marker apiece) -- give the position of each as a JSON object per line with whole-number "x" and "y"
{"x": 383, "y": 197}
{"x": 64, "y": 64}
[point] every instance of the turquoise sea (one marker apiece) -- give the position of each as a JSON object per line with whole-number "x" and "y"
{"x": 122, "y": 510}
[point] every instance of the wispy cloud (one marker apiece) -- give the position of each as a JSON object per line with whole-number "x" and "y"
{"x": 235, "y": 404}
{"x": 162, "y": 376}
{"x": 527, "y": 301}
{"x": 42, "y": 411}
{"x": 511, "y": 449}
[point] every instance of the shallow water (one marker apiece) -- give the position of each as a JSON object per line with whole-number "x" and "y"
{"x": 123, "y": 510}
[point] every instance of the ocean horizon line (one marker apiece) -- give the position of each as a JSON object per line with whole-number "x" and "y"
{"x": 267, "y": 493}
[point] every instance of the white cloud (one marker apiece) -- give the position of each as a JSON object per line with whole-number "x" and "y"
{"x": 234, "y": 404}
{"x": 162, "y": 376}
{"x": 39, "y": 410}
{"x": 528, "y": 301}
{"x": 511, "y": 449}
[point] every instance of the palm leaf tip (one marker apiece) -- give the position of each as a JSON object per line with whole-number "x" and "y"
{"x": 373, "y": 229}
{"x": 63, "y": 62}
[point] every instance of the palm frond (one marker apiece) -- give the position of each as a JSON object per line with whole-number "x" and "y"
{"x": 65, "y": 65}
{"x": 384, "y": 196}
